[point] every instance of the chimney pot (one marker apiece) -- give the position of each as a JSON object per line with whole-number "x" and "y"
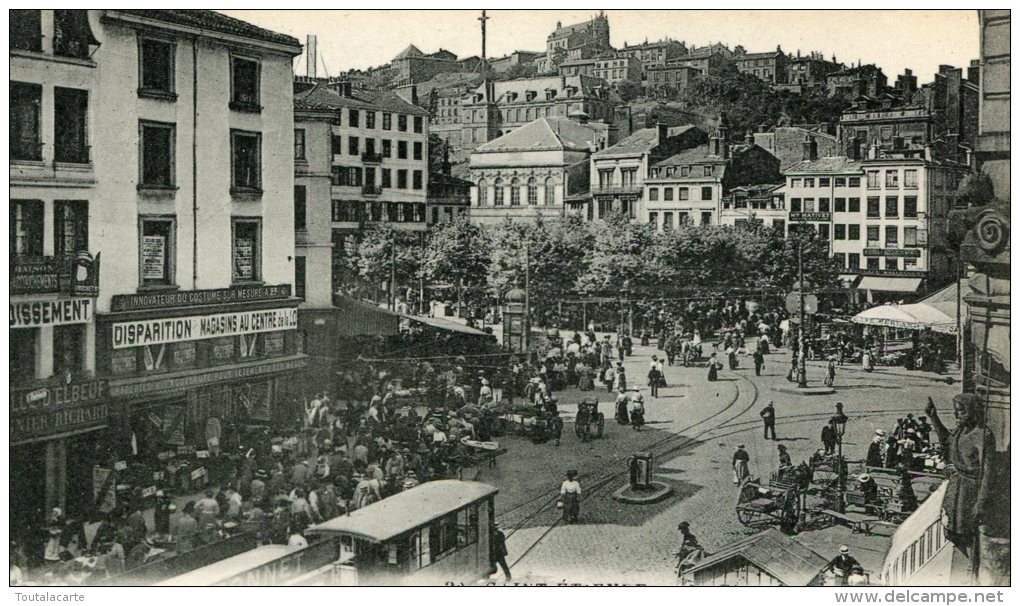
{"x": 663, "y": 132}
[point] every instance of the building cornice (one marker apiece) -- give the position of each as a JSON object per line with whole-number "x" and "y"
{"x": 137, "y": 21}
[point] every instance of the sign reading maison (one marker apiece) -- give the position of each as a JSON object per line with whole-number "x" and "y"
{"x": 194, "y": 328}
{"x": 187, "y": 298}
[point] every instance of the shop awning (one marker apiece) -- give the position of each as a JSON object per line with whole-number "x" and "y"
{"x": 915, "y": 316}
{"x": 889, "y": 284}
{"x": 445, "y": 324}
{"x": 358, "y": 318}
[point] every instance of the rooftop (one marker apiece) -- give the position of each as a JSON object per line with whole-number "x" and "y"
{"x": 787, "y": 559}
{"x": 830, "y": 164}
{"x": 642, "y": 141}
{"x": 320, "y": 97}
{"x": 548, "y": 134}
{"x": 700, "y": 155}
{"x": 217, "y": 22}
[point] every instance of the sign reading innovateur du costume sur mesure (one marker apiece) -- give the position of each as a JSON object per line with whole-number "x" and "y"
{"x": 194, "y": 328}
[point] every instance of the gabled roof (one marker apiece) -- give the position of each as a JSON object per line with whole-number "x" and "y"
{"x": 584, "y": 84}
{"x": 831, "y": 164}
{"x": 696, "y": 155}
{"x": 410, "y": 51}
{"x": 642, "y": 141}
{"x": 788, "y": 560}
{"x": 217, "y": 22}
{"x": 548, "y": 134}
{"x": 319, "y": 97}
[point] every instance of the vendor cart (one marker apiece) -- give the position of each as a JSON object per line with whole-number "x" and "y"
{"x": 778, "y": 503}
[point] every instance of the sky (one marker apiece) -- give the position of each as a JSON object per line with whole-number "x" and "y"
{"x": 894, "y": 39}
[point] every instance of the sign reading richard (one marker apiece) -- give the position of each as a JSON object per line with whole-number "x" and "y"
{"x": 194, "y": 328}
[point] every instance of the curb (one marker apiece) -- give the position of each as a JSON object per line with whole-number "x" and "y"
{"x": 660, "y": 492}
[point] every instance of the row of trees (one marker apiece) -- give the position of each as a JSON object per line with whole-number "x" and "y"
{"x": 571, "y": 259}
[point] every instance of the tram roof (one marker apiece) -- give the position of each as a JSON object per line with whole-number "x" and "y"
{"x": 407, "y": 510}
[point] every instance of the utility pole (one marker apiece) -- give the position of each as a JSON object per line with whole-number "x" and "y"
{"x": 801, "y": 352}
{"x": 393, "y": 275}
{"x": 527, "y": 295}
{"x": 483, "y": 19}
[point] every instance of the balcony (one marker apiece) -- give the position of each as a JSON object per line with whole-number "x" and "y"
{"x": 371, "y": 158}
{"x": 72, "y": 154}
{"x": 616, "y": 190}
{"x": 371, "y": 190}
{"x": 26, "y": 150}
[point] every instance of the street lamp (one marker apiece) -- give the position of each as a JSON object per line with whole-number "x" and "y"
{"x": 838, "y": 423}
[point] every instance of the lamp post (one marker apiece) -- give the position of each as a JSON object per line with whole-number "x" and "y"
{"x": 838, "y": 423}
{"x": 802, "y": 350}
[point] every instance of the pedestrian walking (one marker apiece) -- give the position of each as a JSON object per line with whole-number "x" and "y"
{"x": 830, "y": 373}
{"x": 874, "y": 458}
{"x": 829, "y": 439}
{"x": 759, "y": 362}
{"x": 570, "y": 497}
{"x": 498, "y": 551}
{"x": 768, "y": 417}
{"x": 740, "y": 460}
{"x": 654, "y": 377}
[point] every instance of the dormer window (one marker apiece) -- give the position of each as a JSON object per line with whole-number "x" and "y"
{"x": 530, "y": 95}
{"x": 550, "y": 94}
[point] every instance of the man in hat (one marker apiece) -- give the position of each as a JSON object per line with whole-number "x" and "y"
{"x": 842, "y": 565}
{"x": 869, "y": 488}
{"x": 570, "y": 495}
{"x": 688, "y": 542}
{"x": 784, "y": 458}
{"x": 740, "y": 460}
{"x": 874, "y": 458}
{"x": 768, "y": 417}
{"x": 829, "y": 439}
{"x": 498, "y": 551}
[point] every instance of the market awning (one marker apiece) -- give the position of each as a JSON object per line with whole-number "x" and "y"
{"x": 909, "y": 534}
{"x": 889, "y": 284}
{"x": 848, "y": 279}
{"x": 915, "y": 316}
{"x": 445, "y": 324}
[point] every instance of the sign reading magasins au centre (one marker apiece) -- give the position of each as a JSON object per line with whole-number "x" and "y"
{"x": 235, "y": 294}
{"x": 194, "y": 328}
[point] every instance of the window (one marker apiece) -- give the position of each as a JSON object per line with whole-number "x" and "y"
{"x": 910, "y": 178}
{"x": 840, "y": 259}
{"x": 809, "y": 205}
{"x": 823, "y": 205}
{"x": 809, "y": 182}
{"x": 873, "y": 262}
{"x": 780, "y": 226}
{"x": 708, "y": 171}
{"x": 874, "y": 212}
{"x": 156, "y": 251}
{"x": 369, "y": 119}
{"x": 387, "y": 121}
{"x": 72, "y": 34}
{"x": 872, "y": 236}
{"x": 336, "y": 145}
{"x": 483, "y": 193}
{"x": 156, "y": 68}
{"x": 244, "y": 84}
{"x": 353, "y": 118}
{"x": 353, "y": 146}
{"x": 653, "y": 194}
{"x": 515, "y": 192}
{"x": 416, "y": 180}
{"x": 853, "y": 260}
{"x": 872, "y": 179}
{"x": 418, "y": 124}
{"x": 823, "y": 231}
{"x": 26, "y": 228}
{"x": 370, "y": 176}
{"x": 892, "y": 179}
{"x": 386, "y": 178}
{"x": 683, "y": 193}
{"x": 157, "y": 155}
{"x": 667, "y": 193}
{"x": 840, "y": 205}
{"x": 795, "y": 182}
{"x": 910, "y": 236}
{"x": 823, "y": 181}
{"x": 402, "y": 150}
{"x": 892, "y": 207}
{"x": 300, "y": 209}
{"x": 854, "y": 205}
{"x": 706, "y": 193}
{"x": 840, "y": 182}
{"x": 402, "y": 179}
{"x": 246, "y": 250}
{"x": 68, "y": 350}
{"x": 795, "y": 206}
{"x": 854, "y": 182}
{"x": 706, "y": 218}
{"x": 70, "y": 109}
{"x": 683, "y": 219}
{"x": 549, "y": 193}
{"x": 299, "y": 144}
{"x": 369, "y": 146}
{"x": 299, "y": 277}
{"x": 387, "y": 148}
{"x": 417, "y": 150}
{"x": 910, "y": 207}
{"x": 246, "y": 160}
{"x": 653, "y": 220}
{"x": 891, "y": 236}
{"x": 532, "y": 191}
{"x": 909, "y": 264}
{"x": 497, "y": 191}
{"x": 402, "y": 123}
{"x": 892, "y": 263}
{"x": 667, "y": 221}
{"x": 685, "y": 171}
{"x": 70, "y": 226}
{"x": 25, "y": 120}
{"x": 839, "y": 232}
{"x": 853, "y": 232}
{"x": 26, "y": 30}
{"x": 354, "y": 176}
{"x": 23, "y": 344}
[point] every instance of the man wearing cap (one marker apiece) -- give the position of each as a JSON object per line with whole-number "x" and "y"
{"x": 740, "y": 460}
{"x": 842, "y": 565}
{"x": 874, "y": 458}
{"x": 497, "y": 550}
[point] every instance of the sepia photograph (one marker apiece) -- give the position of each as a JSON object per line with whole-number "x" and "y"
{"x": 510, "y": 298}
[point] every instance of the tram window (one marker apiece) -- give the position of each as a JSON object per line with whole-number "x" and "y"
{"x": 467, "y": 526}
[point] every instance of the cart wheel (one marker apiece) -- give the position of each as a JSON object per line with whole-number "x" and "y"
{"x": 745, "y": 517}
{"x": 579, "y": 430}
{"x": 600, "y": 428}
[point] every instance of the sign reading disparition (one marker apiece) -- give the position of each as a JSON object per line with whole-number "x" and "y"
{"x": 194, "y": 328}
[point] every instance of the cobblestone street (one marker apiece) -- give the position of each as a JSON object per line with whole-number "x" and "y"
{"x": 697, "y": 424}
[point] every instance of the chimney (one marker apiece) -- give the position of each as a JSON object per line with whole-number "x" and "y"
{"x": 853, "y": 148}
{"x": 414, "y": 94}
{"x": 809, "y": 148}
{"x": 663, "y": 133}
{"x": 749, "y": 138}
{"x": 311, "y": 56}
{"x": 974, "y": 71}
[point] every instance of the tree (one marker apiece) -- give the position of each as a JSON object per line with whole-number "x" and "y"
{"x": 458, "y": 253}
{"x": 629, "y": 91}
{"x": 371, "y": 256}
{"x": 618, "y": 257}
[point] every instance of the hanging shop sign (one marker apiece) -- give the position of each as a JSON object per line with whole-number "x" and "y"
{"x": 35, "y": 314}
{"x": 162, "y": 385}
{"x": 892, "y": 252}
{"x": 806, "y": 216}
{"x": 74, "y": 274}
{"x": 193, "y": 328}
{"x": 189, "y": 298}
{"x": 58, "y": 409}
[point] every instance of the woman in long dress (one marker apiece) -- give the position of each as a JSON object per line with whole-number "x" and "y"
{"x": 867, "y": 362}
{"x": 713, "y": 368}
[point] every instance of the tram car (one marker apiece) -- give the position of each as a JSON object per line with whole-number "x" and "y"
{"x": 432, "y": 534}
